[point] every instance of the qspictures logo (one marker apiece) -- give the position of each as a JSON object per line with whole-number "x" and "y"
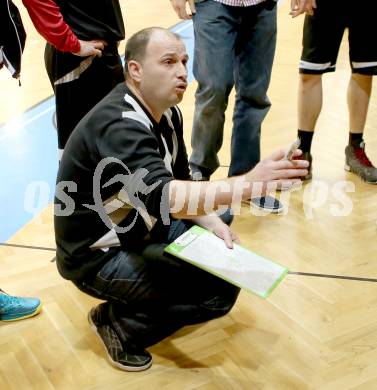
{"x": 134, "y": 188}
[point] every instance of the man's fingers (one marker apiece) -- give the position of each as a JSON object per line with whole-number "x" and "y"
{"x": 235, "y": 238}
{"x": 293, "y": 5}
{"x": 310, "y": 7}
{"x": 300, "y": 164}
{"x": 291, "y": 184}
{"x": 291, "y": 173}
{"x": 182, "y": 13}
{"x": 295, "y": 9}
{"x": 291, "y": 164}
{"x": 99, "y": 45}
{"x": 192, "y": 6}
{"x": 227, "y": 235}
{"x": 298, "y": 7}
{"x": 91, "y": 48}
{"x": 96, "y": 52}
{"x": 228, "y": 242}
{"x": 277, "y": 155}
{"x": 180, "y": 10}
{"x": 281, "y": 153}
{"x": 297, "y": 153}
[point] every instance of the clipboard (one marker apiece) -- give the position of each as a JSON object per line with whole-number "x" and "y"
{"x": 239, "y": 266}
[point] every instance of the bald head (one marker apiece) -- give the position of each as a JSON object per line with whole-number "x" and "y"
{"x": 136, "y": 46}
{"x": 156, "y": 70}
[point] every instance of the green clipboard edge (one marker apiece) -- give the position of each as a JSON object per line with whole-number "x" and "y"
{"x": 175, "y": 249}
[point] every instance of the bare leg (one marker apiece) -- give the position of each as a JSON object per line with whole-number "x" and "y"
{"x": 309, "y": 101}
{"x": 358, "y": 94}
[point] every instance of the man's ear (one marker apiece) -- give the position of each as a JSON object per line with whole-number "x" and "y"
{"x": 135, "y": 70}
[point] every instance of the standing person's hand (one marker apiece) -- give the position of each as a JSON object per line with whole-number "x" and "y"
{"x": 180, "y": 8}
{"x": 298, "y": 7}
{"x": 90, "y": 48}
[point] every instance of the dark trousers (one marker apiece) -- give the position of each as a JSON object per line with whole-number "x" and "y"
{"x": 234, "y": 47}
{"x": 79, "y": 84}
{"x": 149, "y": 295}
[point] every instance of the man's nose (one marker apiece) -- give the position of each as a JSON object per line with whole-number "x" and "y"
{"x": 182, "y": 71}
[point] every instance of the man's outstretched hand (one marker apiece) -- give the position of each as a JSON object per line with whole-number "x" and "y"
{"x": 278, "y": 170}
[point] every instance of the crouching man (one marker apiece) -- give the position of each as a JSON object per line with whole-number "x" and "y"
{"x": 121, "y": 177}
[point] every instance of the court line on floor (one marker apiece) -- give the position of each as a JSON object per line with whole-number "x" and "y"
{"x": 42, "y": 248}
{"x": 15, "y": 126}
{"x": 329, "y": 276}
{"x": 317, "y": 275}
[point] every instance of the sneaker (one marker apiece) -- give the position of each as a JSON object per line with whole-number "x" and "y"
{"x": 358, "y": 162}
{"x": 267, "y": 203}
{"x": 17, "y": 308}
{"x": 308, "y": 157}
{"x": 127, "y": 358}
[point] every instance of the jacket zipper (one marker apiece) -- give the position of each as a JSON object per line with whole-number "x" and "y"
{"x": 18, "y": 39}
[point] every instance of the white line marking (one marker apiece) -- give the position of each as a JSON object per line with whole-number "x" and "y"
{"x": 12, "y": 125}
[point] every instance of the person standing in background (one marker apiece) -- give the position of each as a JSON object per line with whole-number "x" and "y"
{"x": 12, "y": 38}
{"x": 234, "y": 47}
{"x": 322, "y": 36}
{"x": 12, "y": 43}
{"x": 81, "y": 55}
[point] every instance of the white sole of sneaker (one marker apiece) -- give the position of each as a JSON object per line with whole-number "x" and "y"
{"x": 109, "y": 358}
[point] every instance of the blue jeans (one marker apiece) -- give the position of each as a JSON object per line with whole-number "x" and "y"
{"x": 234, "y": 46}
{"x": 150, "y": 295}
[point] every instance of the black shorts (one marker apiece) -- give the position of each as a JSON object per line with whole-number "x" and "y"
{"x": 324, "y": 30}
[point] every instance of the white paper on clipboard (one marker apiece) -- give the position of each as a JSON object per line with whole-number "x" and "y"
{"x": 238, "y": 266}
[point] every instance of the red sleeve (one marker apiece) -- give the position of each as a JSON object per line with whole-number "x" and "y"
{"x": 49, "y": 22}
